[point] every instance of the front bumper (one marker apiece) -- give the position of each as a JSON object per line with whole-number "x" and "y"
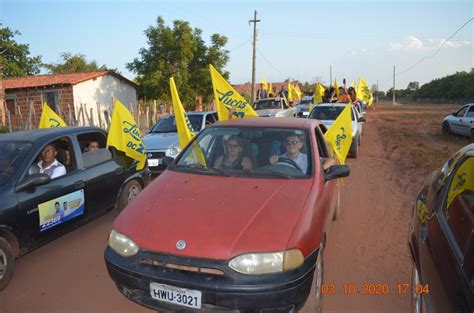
{"x": 231, "y": 291}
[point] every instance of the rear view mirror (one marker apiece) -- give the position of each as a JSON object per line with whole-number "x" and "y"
{"x": 33, "y": 181}
{"x": 361, "y": 119}
{"x": 336, "y": 171}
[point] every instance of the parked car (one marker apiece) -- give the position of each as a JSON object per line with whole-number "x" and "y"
{"x": 162, "y": 140}
{"x": 441, "y": 238}
{"x": 460, "y": 122}
{"x": 327, "y": 114}
{"x": 273, "y": 107}
{"x": 302, "y": 108}
{"x": 211, "y": 237}
{"x": 36, "y": 209}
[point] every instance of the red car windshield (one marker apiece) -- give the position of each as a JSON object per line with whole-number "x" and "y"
{"x": 249, "y": 151}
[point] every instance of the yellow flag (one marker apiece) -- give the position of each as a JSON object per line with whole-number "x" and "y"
{"x": 265, "y": 85}
{"x": 226, "y": 98}
{"x": 363, "y": 92}
{"x": 336, "y": 86}
{"x": 463, "y": 180}
{"x": 293, "y": 93}
{"x": 184, "y": 127}
{"x": 352, "y": 84}
{"x": 49, "y": 118}
{"x": 339, "y": 135}
{"x": 125, "y": 136}
{"x": 318, "y": 96}
{"x": 270, "y": 90}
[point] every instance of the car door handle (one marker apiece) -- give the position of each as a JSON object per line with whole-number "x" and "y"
{"x": 79, "y": 184}
{"x": 119, "y": 170}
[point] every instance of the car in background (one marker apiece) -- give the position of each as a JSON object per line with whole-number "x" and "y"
{"x": 327, "y": 114}
{"x": 36, "y": 209}
{"x": 441, "y": 238}
{"x": 460, "y": 122}
{"x": 273, "y": 107}
{"x": 302, "y": 107}
{"x": 206, "y": 237}
{"x": 162, "y": 139}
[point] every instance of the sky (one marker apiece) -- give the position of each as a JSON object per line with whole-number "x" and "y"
{"x": 303, "y": 40}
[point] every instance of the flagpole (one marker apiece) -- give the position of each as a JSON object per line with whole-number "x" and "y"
{"x": 254, "y": 21}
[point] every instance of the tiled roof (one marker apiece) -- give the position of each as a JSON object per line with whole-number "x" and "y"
{"x": 56, "y": 79}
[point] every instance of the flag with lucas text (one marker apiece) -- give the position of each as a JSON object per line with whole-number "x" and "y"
{"x": 49, "y": 118}
{"x": 226, "y": 98}
{"x": 463, "y": 180}
{"x": 185, "y": 130}
{"x": 363, "y": 92}
{"x": 125, "y": 135}
{"x": 339, "y": 135}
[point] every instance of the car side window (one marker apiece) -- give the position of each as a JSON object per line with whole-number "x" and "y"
{"x": 56, "y": 158}
{"x": 462, "y": 111}
{"x": 470, "y": 113}
{"x": 458, "y": 205}
{"x": 209, "y": 119}
{"x": 93, "y": 148}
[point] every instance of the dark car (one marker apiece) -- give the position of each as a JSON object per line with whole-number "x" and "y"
{"x": 36, "y": 209}
{"x": 441, "y": 239}
{"x": 236, "y": 238}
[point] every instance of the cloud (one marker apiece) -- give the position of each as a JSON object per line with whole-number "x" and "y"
{"x": 413, "y": 43}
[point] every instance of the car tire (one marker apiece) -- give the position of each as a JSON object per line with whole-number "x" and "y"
{"x": 337, "y": 211}
{"x": 7, "y": 262}
{"x": 128, "y": 194}
{"x": 416, "y": 298}
{"x": 446, "y": 129}
{"x": 354, "y": 149}
{"x": 314, "y": 302}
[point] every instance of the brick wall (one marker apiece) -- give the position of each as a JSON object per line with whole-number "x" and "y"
{"x": 19, "y": 109}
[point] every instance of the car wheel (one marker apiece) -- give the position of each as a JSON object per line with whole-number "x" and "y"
{"x": 314, "y": 303}
{"x": 7, "y": 262}
{"x": 446, "y": 128}
{"x": 416, "y": 301}
{"x": 128, "y": 194}
{"x": 337, "y": 211}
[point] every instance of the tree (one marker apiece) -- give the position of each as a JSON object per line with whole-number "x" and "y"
{"x": 14, "y": 57}
{"x": 73, "y": 64}
{"x": 182, "y": 53}
{"x": 413, "y": 86}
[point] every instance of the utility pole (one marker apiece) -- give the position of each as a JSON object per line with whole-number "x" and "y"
{"x": 254, "y": 21}
{"x": 330, "y": 75}
{"x": 393, "y": 91}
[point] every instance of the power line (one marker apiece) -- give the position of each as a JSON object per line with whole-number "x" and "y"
{"x": 437, "y": 51}
{"x": 270, "y": 63}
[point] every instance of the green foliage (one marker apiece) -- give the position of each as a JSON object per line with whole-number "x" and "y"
{"x": 458, "y": 87}
{"x": 73, "y": 64}
{"x": 14, "y": 57}
{"x": 182, "y": 53}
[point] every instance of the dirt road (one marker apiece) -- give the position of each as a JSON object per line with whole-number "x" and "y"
{"x": 367, "y": 245}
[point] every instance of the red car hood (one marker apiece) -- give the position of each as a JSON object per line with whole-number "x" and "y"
{"x": 218, "y": 217}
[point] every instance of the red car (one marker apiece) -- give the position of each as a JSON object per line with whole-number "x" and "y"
{"x": 237, "y": 222}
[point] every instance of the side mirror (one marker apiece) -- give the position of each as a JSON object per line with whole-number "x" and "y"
{"x": 454, "y": 114}
{"x": 336, "y": 171}
{"x": 167, "y": 160}
{"x": 361, "y": 119}
{"x": 33, "y": 181}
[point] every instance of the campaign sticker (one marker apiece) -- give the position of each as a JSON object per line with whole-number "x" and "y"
{"x": 60, "y": 210}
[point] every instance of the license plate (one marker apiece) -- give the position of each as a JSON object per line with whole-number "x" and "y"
{"x": 154, "y": 162}
{"x": 179, "y": 296}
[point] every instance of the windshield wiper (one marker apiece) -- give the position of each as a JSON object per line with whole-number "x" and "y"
{"x": 270, "y": 172}
{"x": 202, "y": 168}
